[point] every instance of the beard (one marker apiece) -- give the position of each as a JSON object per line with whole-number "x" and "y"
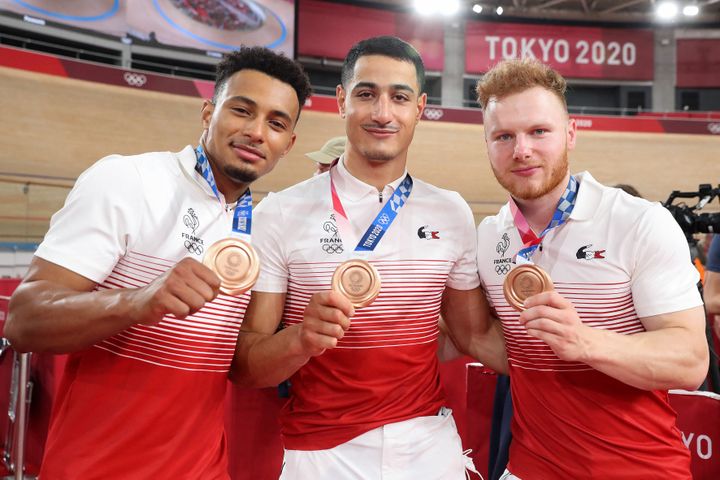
{"x": 240, "y": 175}
{"x": 527, "y": 191}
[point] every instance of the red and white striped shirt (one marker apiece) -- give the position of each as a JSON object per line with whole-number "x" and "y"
{"x": 385, "y": 368}
{"x": 618, "y": 259}
{"x": 147, "y": 402}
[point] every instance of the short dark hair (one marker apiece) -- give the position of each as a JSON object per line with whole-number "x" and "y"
{"x": 268, "y": 62}
{"x": 387, "y": 46}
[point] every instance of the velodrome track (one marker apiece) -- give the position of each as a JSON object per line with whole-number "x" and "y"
{"x": 56, "y": 127}
{"x": 170, "y": 25}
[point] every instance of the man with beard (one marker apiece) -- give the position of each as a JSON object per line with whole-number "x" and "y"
{"x": 591, "y": 356}
{"x": 118, "y": 284}
{"x": 366, "y": 400}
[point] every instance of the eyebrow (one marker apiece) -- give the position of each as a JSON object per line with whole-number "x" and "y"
{"x": 249, "y": 101}
{"x": 395, "y": 86}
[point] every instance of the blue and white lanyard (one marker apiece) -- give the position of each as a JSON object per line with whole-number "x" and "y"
{"x": 562, "y": 212}
{"x": 382, "y": 222}
{"x": 242, "y": 214}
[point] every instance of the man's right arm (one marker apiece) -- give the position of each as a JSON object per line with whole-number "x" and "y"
{"x": 711, "y": 292}
{"x": 265, "y": 357}
{"x": 56, "y": 310}
{"x": 711, "y": 289}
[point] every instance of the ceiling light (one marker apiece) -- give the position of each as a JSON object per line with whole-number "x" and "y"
{"x": 499, "y": 10}
{"x": 477, "y": 8}
{"x": 691, "y": 10}
{"x": 425, "y": 7}
{"x": 667, "y": 10}
{"x": 450, "y": 7}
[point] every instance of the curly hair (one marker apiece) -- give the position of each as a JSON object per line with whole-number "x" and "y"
{"x": 387, "y": 46}
{"x": 517, "y": 75}
{"x": 264, "y": 60}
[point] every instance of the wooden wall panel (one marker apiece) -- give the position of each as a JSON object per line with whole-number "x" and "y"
{"x": 57, "y": 127}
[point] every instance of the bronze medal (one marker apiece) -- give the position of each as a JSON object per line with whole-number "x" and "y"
{"x": 525, "y": 281}
{"x": 235, "y": 262}
{"x": 358, "y": 280}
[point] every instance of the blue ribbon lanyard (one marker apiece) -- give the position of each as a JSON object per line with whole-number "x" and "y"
{"x": 242, "y": 214}
{"x": 379, "y": 226}
{"x": 562, "y": 212}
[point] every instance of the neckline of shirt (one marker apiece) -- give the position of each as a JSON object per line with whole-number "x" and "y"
{"x": 353, "y": 188}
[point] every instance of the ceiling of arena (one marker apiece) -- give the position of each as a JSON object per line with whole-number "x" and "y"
{"x": 597, "y": 11}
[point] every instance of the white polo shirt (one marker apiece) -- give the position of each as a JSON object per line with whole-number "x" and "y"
{"x": 384, "y": 369}
{"x": 617, "y": 259}
{"x": 126, "y": 221}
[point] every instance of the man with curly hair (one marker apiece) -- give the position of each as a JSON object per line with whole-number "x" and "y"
{"x": 118, "y": 284}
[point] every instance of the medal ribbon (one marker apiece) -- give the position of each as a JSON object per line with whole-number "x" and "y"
{"x": 242, "y": 214}
{"x": 382, "y": 222}
{"x": 562, "y": 213}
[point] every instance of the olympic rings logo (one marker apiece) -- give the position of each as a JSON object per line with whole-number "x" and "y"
{"x": 433, "y": 113}
{"x": 384, "y": 219}
{"x": 502, "y": 269}
{"x": 134, "y": 79}
{"x": 714, "y": 128}
{"x": 333, "y": 247}
{"x": 193, "y": 247}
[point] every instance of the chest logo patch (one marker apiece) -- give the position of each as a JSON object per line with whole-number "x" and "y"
{"x": 427, "y": 233}
{"x": 191, "y": 242}
{"x": 584, "y": 253}
{"x": 331, "y": 242}
{"x": 502, "y": 264}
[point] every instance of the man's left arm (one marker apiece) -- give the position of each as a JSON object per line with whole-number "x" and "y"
{"x": 473, "y": 329}
{"x": 671, "y": 353}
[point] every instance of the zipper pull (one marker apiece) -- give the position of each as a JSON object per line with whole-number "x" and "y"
{"x": 380, "y": 196}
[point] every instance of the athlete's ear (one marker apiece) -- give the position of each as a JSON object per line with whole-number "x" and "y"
{"x": 571, "y": 134}
{"x": 206, "y": 113}
{"x": 422, "y": 101}
{"x": 340, "y": 96}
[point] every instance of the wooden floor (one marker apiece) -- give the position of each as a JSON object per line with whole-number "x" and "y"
{"x": 56, "y": 127}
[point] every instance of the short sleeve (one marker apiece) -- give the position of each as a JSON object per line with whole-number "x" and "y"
{"x": 464, "y": 274}
{"x": 713, "y": 257}
{"x": 267, "y": 240}
{"x": 102, "y": 212}
{"x": 664, "y": 279}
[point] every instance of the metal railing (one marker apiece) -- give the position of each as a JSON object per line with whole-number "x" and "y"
{"x": 19, "y": 398}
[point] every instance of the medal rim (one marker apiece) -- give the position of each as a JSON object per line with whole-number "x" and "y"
{"x": 511, "y": 295}
{"x": 241, "y": 286}
{"x": 373, "y": 289}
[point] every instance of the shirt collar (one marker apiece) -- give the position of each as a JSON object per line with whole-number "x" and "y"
{"x": 188, "y": 162}
{"x": 588, "y": 199}
{"x": 586, "y": 204}
{"x": 354, "y": 189}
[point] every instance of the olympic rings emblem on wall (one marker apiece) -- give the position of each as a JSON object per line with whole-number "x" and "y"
{"x": 134, "y": 79}
{"x": 433, "y": 113}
